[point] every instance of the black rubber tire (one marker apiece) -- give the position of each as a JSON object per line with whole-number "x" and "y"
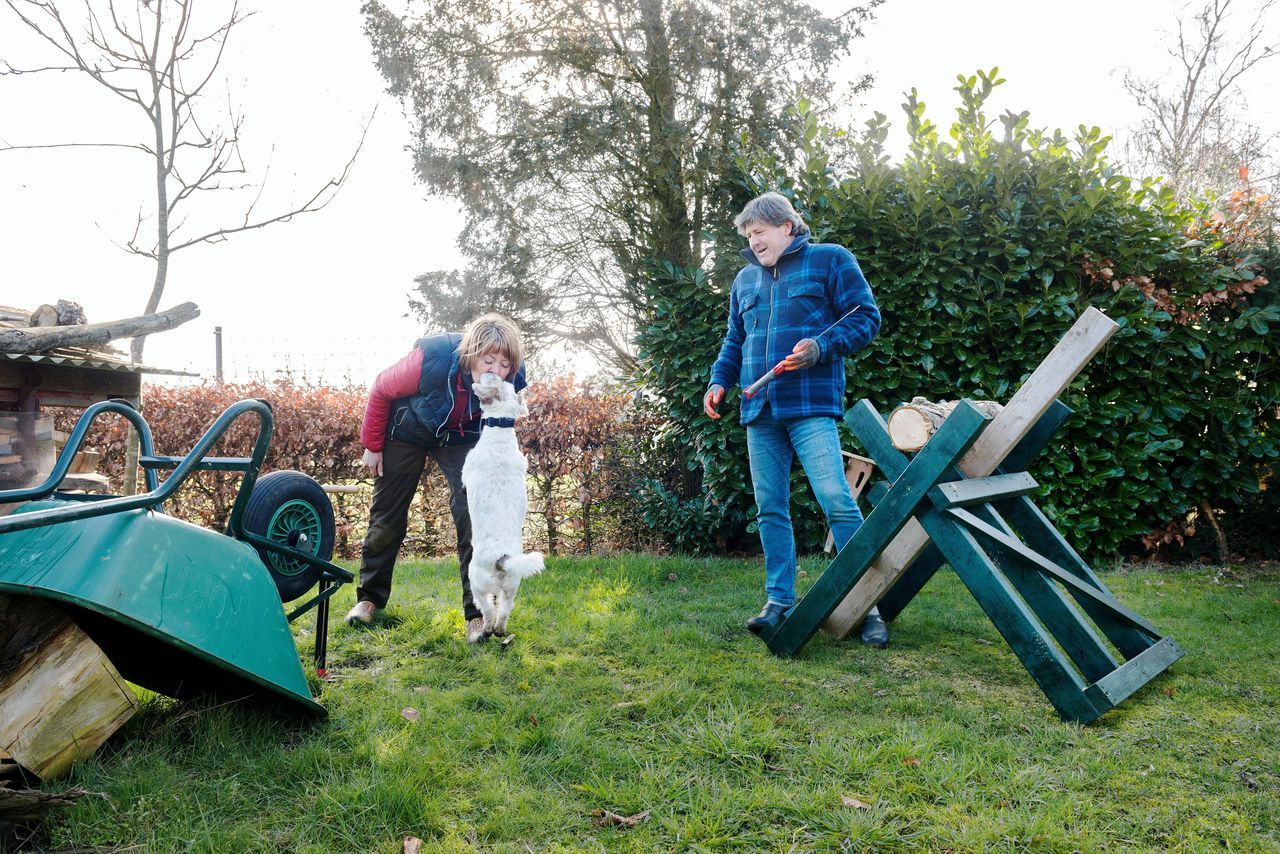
{"x": 285, "y": 503}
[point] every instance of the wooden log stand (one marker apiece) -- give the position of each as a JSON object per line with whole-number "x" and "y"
{"x": 963, "y": 500}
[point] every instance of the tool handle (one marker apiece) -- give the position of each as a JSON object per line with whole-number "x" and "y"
{"x": 754, "y": 389}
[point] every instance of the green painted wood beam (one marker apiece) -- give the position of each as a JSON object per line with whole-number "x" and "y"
{"x": 1100, "y": 597}
{"x": 917, "y": 575}
{"x": 982, "y": 490}
{"x": 896, "y": 599}
{"x": 1040, "y": 534}
{"x": 1132, "y": 675}
{"x": 1076, "y": 635}
{"x": 908, "y": 492}
{"x": 1013, "y": 618}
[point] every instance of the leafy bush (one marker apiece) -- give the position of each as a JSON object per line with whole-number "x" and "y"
{"x": 982, "y": 253}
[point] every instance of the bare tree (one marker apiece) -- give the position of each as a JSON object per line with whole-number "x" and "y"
{"x": 1195, "y": 131}
{"x": 149, "y": 53}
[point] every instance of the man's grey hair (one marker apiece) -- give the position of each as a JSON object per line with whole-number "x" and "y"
{"x": 772, "y": 209}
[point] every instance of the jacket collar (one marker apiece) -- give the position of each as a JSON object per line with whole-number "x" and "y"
{"x": 797, "y": 243}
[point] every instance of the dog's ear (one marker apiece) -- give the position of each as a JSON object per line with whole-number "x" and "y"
{"x": 524, "y": 407}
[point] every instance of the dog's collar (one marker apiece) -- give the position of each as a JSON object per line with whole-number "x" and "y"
{"x": 497, "y": 422}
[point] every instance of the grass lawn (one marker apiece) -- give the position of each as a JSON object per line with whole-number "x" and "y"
{"x": 631, "y": 686}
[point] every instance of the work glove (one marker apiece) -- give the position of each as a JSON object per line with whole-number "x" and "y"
{"x": 712, "y": 399}
{"x": 804, "y": 355}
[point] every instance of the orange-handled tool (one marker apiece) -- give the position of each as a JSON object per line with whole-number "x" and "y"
{"x": 754, "y": 389}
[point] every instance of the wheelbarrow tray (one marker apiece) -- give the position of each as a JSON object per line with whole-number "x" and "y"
{"x": 177, "y": 608}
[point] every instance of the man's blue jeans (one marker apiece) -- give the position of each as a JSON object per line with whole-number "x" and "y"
{"x": 772, "y": 444}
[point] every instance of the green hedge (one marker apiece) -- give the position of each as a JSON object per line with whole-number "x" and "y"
{"x": 982, "y": 252}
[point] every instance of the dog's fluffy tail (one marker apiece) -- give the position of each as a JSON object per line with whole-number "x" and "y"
{"x": 525, "y": 565}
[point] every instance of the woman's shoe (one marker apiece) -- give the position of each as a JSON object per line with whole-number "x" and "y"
{"x": 362, "y": 613}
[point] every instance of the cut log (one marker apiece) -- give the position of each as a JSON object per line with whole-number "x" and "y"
{"x": 44, "y": 316}
{"x": 60, "y": 697}
{"x": 38, "y": 340}
{"x": 911, "y": 424}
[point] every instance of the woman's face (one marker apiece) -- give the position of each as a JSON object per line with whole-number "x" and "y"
{"x": 493, "y": 362}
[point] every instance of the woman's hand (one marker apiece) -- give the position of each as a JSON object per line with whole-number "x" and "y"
{"x": 373, "y": 459}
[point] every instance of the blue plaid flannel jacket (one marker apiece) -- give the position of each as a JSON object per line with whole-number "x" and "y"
{"x": 770, "y": 309}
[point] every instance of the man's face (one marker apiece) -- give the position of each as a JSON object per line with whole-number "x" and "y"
{"x": 768, "y": 242}
{"x": 492, "y": 362}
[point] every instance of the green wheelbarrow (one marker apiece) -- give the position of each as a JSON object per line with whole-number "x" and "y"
{"x": 177, "y": 608}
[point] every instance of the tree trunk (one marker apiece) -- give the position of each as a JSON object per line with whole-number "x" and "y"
{"x": 40, "y": 339}
{"x": 669, "y": 227}
{"x": 1219, "y": 536}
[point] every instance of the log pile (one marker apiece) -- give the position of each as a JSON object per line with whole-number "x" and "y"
{"x": 911, "y": 424}
{"x": 26, "y": 448}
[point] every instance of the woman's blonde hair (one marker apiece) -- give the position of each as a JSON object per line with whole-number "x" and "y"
{"x": 490, "y": 333}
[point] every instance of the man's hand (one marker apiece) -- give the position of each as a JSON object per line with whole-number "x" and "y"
{"x": 373, "y": 459}
{"x": 711, "y": 400}
{"x": 803, "y": 355}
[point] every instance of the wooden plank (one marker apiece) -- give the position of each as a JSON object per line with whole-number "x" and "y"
{"x": 1002, "y": 435}
{"x": 60, "y": 697}
{"x": 907, "y": 492}
{"x": 1132, "y": 675}
{"x": 1015, "y": 621}
{"x": 982, "y": 490}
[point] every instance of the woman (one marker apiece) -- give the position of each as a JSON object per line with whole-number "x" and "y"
{"x": 419, "y": 408}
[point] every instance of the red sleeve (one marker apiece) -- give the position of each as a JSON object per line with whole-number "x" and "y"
{"x": 399, "y": 380}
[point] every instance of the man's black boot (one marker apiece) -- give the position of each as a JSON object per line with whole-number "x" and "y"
{"x": 874, "y": 631}
{"x": 768, "y": 618}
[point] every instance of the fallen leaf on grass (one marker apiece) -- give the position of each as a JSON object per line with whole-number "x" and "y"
{"x": 985, "y": 642}
{"x": 854, "y": 803}
{"x": 604, "y": 818}
{"x": 412, "y": 845}
{"x": 911, "y": 761}
{"x": 410, "y": 714}
{"x": 1169, "y": 692}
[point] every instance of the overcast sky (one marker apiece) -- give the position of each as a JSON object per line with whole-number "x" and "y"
{"x": 324, "y": 297}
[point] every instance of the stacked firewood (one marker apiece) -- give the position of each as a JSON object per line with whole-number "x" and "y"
{"x": 26, "y": 448}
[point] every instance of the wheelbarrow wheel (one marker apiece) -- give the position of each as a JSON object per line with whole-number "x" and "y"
{"x": 290, "y": 507}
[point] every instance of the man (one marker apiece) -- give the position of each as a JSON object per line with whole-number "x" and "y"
{"x": 422, "y": 407}
{"x": 808, "y": 306}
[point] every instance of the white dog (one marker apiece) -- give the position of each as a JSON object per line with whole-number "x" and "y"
{"x": 494, "y": 478}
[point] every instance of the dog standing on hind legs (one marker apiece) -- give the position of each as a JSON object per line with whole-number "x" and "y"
{"x": 494, "y": 478}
